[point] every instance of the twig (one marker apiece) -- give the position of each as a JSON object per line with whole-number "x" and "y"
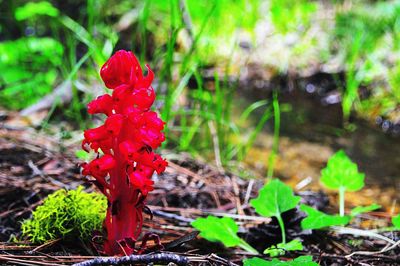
{"x": 212, "y": 258}
{"x": 248, "y": 191}
{"x": 148, "y": 258}
{"x": 360, "y": 232}
{"x": 236, "y": 191}
{"x": 37, "y": 172}
{"x": 25, "y": 262}
{"x": 185, "y": 171}
{"x": 207, "y": 211}
{"x": 62, "y": 93}
{"x": 385, "y": 249}
{"x": 217, "y": 152}
{"x": 173, "y": 216}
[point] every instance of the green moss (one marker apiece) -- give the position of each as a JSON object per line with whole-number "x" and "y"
{"x": 67, "y": 215}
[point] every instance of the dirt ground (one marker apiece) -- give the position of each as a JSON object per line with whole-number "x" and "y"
{"x": 32, "y": 165}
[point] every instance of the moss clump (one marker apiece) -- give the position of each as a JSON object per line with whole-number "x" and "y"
{"x": 67, "y": 215}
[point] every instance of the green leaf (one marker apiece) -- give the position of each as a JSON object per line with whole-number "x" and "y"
{"x": 363, "y": 209}
{"x": 31, "y": 10}
{"x": 218, "y": 229}
{"x": 300, "y": 261}
{"x": 396, "y": 221}
{"x": 29, "y": 70}
{"x": 274, "y": 198}
{"x": 341, "y": 172}
{"x": 316, "y": 219}
{"x": 281, "y": 248}
{"x": 83, "y": 155}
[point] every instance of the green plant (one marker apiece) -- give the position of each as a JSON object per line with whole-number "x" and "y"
{"x": 222, "y": 230}
{"x": 274, "y": 199}
{"x": 275, "y": 144}
{"x": 363, "y": 209}
{"x": 316, "y": 219}
{"x": 32, "y": 10}
{"x": 299, "y": 261}
{"x": 29, "y": 69}
{"x": 359, "y": 33}
{"x": 342, "y": 174}
{"x": 396, "y": 221}
{"x": 67, "y": 215}
{"x": 287, "y": 15}
{"x": 281, "y": 248}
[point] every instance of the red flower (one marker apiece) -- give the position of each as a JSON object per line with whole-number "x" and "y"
{"x": 120, "y": 69}
{"x": 131, "y": 150}
{"x": 128, "y": 138}
{"x": 114, "y": 124}
{"x": 99, "y": 167}
{"x": 102, "y": 104}
{"x": 141, "y": 182}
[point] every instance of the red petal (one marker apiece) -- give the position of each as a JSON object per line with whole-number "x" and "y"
{"x": 114, "y": 124}
{"x": 144, "y": 98}
{"x": 107, "y": 162}
{"x": 130, "y": 150}
{"x": 96, "y": 134}
{"x": 102, "y": 104}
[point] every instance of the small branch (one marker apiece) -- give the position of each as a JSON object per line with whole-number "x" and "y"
{"x": 214, "y": 135}
{"x": 360, "y": 232}
{"x": 61, "y": 94}
{"x": 385, "y": 249}
{"x": 134, "y": 259}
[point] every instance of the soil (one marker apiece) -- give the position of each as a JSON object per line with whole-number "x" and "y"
{"x": 32, "y": 165}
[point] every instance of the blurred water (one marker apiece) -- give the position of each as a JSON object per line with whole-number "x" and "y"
{"x": 312, "y": 129}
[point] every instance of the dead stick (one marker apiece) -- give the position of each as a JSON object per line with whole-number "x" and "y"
{"x": 148, "y": 258}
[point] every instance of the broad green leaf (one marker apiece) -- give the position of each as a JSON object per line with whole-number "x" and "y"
{"x": 300, "y": 261}
{"x": 316, "y": 219}
{"x": 218, "y": 229}
{"x": 363, "y": 209}
{"x": 32, "y": 9}
{"x": 396, "y": 221}
{"x": 341, "y": 172}
{"x": 281, "y": 248}
{"x": 274, "y": 198}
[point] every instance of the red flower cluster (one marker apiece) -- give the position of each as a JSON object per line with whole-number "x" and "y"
{"x": 127, "y": 139}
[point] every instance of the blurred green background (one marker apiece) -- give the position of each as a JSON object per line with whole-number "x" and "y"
{"x": 225, "y": 69}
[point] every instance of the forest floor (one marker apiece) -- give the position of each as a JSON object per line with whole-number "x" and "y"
{"x": 33, "y": 165}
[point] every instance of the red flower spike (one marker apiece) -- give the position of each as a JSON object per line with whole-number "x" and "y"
{"x": 128, "y": 138}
